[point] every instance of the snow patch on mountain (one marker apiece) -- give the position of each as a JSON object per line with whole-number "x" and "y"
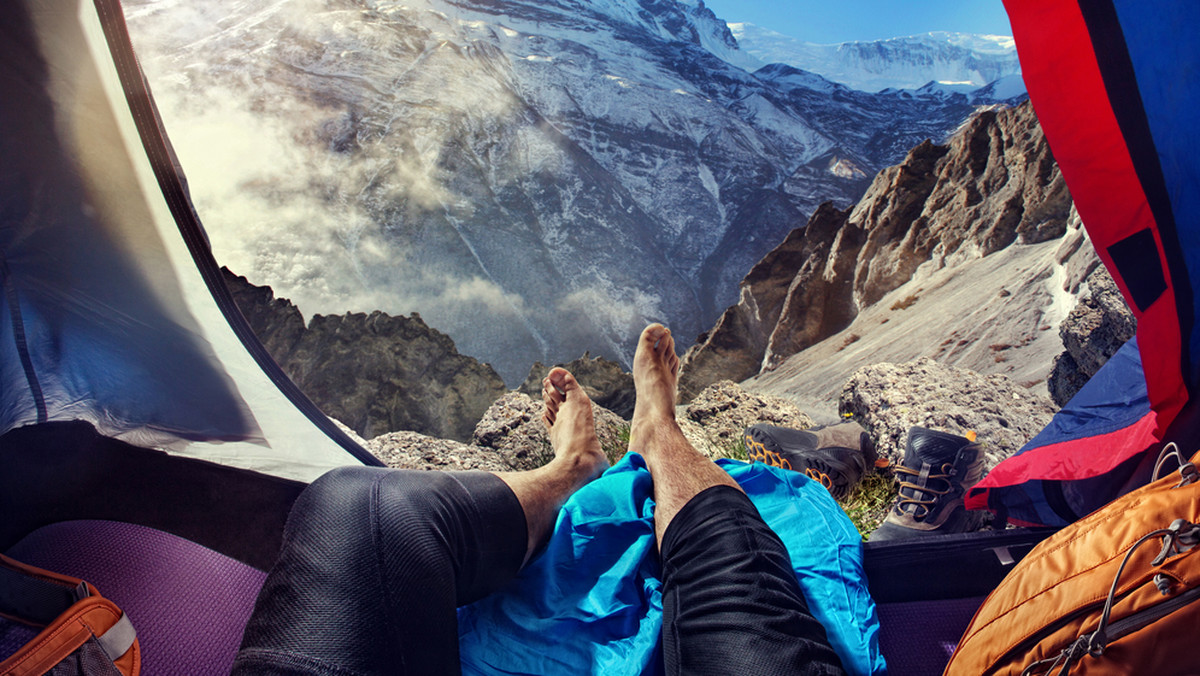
{"x": 898, "y": 63}
{"x": 536, "y": 178}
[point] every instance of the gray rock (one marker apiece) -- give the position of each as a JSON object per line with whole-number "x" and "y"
{"x": 733, "y": 349}
{"x": 888, "y": 399}
{"x": 1098, "y": 326}
{"x": 349, "y": 432}
{"x": 513, "y": 427}
{"x": 715, "y": 419}
{"x": 605, "y": 382}
{"x": 376, "y": 373}
{"x": 411, "y": 450}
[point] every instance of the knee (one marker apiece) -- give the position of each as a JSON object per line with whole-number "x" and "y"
{"x": 337, "y": 489}
{"x": 391, "y": 499}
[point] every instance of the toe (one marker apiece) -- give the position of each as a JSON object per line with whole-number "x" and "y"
{"x": 552, "y": 392}
{"x": 561, "y": 381}
{"x": 666, "y": 345}
{"x": 653, "y": 333}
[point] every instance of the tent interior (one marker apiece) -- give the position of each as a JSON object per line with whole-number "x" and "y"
{"x": 152, "y": 447}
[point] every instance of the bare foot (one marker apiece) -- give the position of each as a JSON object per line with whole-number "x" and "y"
{"x": 571, "y": 426}
{"x": 679, "y": 471}
{"x": 655, "y": 376}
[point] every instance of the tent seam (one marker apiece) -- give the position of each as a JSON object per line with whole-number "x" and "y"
{"x": 22, "y": 343}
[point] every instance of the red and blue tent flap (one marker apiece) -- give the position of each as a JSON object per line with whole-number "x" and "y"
{"x": 1104, "y": 426}
{"x": 1115, "y": 84}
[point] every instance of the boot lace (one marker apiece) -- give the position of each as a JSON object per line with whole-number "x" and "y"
{"x": 920, "y": 497}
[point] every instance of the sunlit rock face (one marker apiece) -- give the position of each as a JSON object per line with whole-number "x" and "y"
{"x": 536, "y": 179}
{"x": 967, "y": 253}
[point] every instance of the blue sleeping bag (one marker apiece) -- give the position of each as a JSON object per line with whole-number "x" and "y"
{"x": 592, "y": 602}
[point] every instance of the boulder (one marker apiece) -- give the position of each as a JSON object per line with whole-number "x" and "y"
{"x": 888, "y": 399}
{"x": 412, "y": 450}
{"x": 513, "y": 427}
{"x": 717, "y": 416}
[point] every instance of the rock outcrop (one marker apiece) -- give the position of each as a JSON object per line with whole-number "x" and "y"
{"x": 513, "y": 427}
{"x": 376, "y": 373}
{"x": 511, "y": 435}
{"x": 413, "y": 450}
{"x": 606, "y": 383}
{"x": 1098, "y": 326}
{"x": 995, "y": 185}
{"x": 715, "y": 419}
{"x": 888, "y": 399}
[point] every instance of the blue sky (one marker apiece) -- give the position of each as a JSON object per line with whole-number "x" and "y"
{"x": 827, "y": 21}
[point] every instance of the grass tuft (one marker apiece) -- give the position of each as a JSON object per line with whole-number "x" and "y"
{"x": 868, "y": 505}
{"x": 615, "y": 448}
{"x": 737, "y": 451}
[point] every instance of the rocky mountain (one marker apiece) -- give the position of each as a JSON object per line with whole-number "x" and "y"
{"x": 536, "y": 179}
{"x": 373, "y": 372}
{"x": 606, "y": 383}
{"x": 908, "y": 62}
{"x": 968, "y": 253}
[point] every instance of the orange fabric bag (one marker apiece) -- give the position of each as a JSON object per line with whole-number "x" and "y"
{"x": 1113, "y": 593}
{"x": 84, "y": 633}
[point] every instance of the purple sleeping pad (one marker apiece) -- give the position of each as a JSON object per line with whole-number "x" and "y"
{"x": 918, "y": 637}
{"x": 188, "y": 603}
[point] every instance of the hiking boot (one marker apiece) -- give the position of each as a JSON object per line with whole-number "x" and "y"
{"x": 837, "y": 456}
{"x": 939, "y": 468}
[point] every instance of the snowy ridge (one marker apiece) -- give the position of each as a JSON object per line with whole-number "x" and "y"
{"x": 899, "y": 63}
{"x": 536, "y": 178}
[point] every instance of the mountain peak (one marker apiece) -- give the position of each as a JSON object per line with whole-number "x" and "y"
{"x": 907, "y": 62}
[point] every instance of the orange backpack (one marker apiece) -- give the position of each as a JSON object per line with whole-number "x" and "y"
{"x": 81, "y": 632}
{"x": 1113, "y": 593}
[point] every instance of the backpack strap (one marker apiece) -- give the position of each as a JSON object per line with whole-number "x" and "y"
{"x": 71, "y": 613}
{"x": 34, "y": 596}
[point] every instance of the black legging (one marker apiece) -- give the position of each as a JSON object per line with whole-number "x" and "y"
{"x": 374, "y": 563}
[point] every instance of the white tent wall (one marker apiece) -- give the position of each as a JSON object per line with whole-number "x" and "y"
{"x": 108, "y": 312}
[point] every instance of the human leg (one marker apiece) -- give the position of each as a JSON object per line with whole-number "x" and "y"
{"x": 577, "y": 457}
{"x": 731, "y": 602}
{"x": 374, "y": 561}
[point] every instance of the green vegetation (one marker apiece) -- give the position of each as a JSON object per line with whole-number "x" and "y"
{"x": 737, "y": 451}
{"x": 868, "y": 505}
{"x": 616, "y": 447}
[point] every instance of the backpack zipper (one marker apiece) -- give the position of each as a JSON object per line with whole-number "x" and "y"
{"x": 1128, "y": 625}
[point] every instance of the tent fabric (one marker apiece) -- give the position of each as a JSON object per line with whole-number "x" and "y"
{"x": 1114, "y": 83}
{"x": 66, "y": 471}
{"x": 592, "y": 602}
{"x": 111, "y": 307}
{"x": 1103, "y": 426}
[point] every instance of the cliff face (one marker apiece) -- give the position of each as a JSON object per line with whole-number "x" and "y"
{"x": 994, "y": 188}
{"x": 1098, "y": 326}
{"x": 376, "y": 373}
